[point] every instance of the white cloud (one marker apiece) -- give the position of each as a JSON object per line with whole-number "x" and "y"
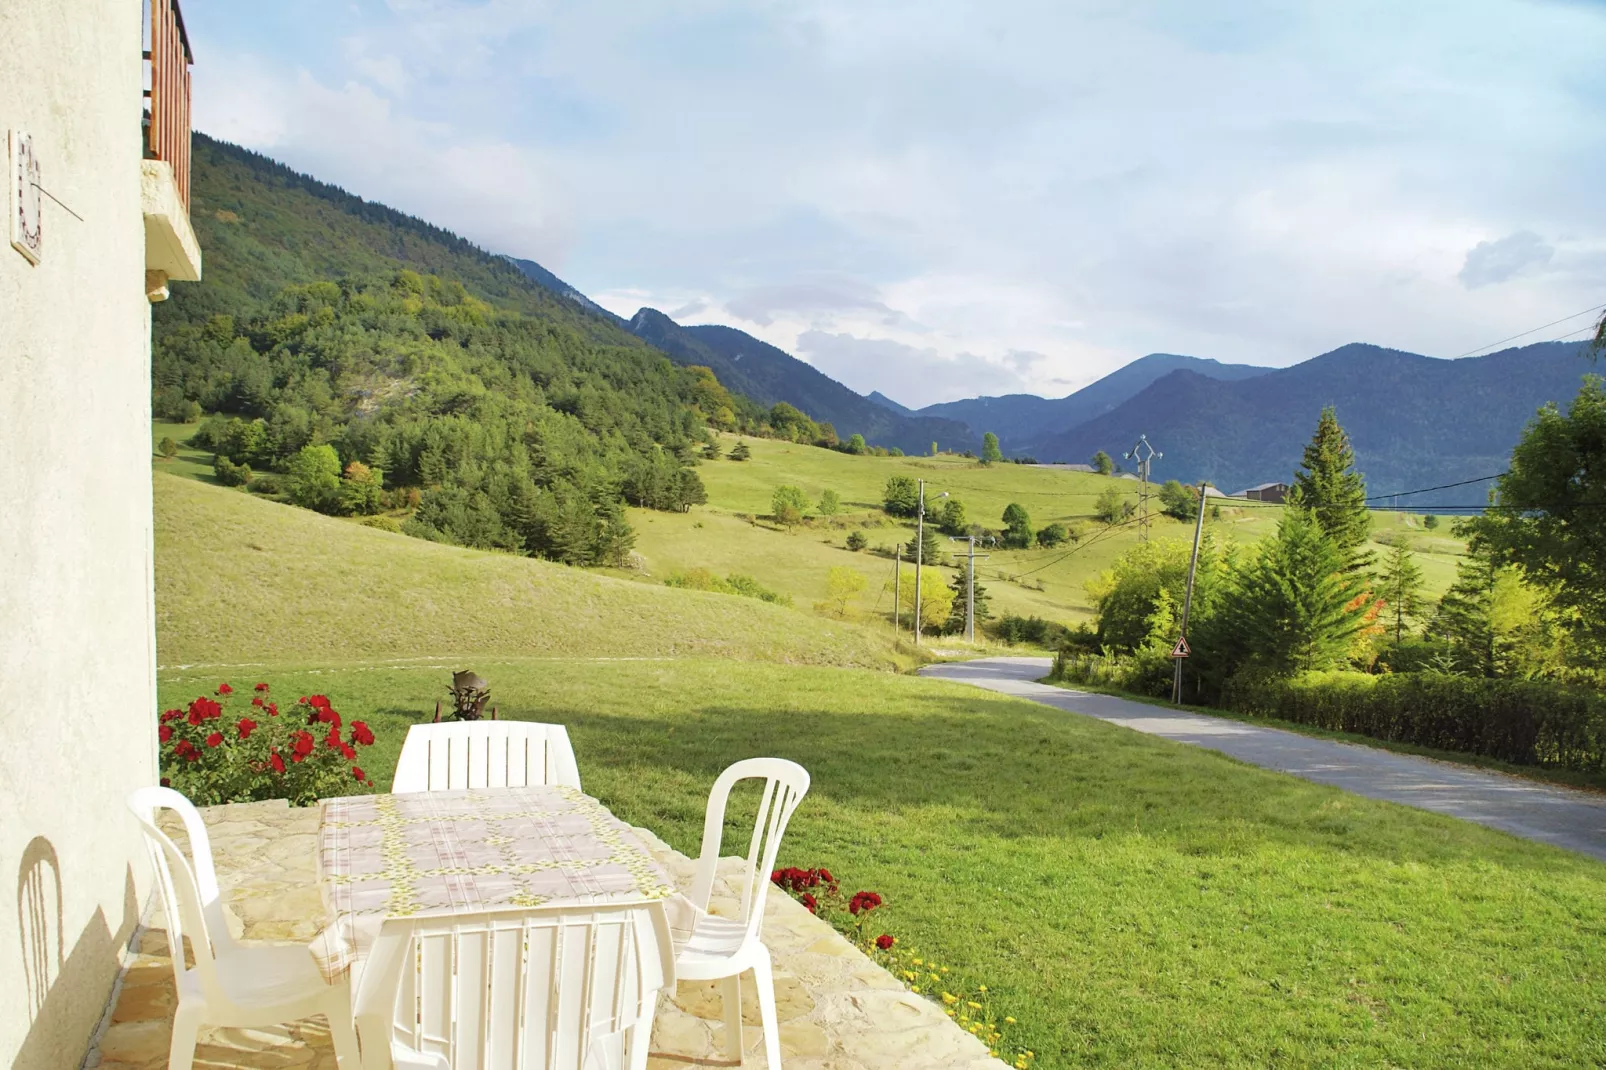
{"x": 967, "y": 182}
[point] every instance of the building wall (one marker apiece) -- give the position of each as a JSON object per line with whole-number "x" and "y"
{"x": 77, "y": 674}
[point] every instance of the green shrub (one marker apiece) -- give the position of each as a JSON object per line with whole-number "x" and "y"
{"x": 266, "y": 483}
{"x": 701, "y": 579}
{"x": 857, "y": 541}
{"x": 1526, "y": 722}
{"x": 230, "y": 474}
{"x": 383, "y": 523}
{"x": 1148, "y": 672}
{"x": 1034, "y": 630}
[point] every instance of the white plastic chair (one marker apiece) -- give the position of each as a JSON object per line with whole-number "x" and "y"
{"x": 536, "y": 989}
{"x": 485, "y": 754}
{"x": 721, "y": 948}
{"x": 229, "y": 985}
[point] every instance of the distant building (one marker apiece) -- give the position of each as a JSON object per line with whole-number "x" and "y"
{"x": 1266, "y": 492}
{"x": 1126, "y": 475}
{"x": 1068, "y": 467}
{"x": 1211, "y": 492}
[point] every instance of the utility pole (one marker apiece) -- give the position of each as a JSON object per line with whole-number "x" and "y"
{"x": 970, "y": 586}
{"x": 920, "y": 546}
{"x": 897, "y": 589}
{"x": 1187, "y": 603}
{"x": 1144, "y": 454}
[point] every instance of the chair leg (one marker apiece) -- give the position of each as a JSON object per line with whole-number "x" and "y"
{"x": 342, "y": 1031}
{"x": 181, "y": 1052}
{"x": 764, "y": 981}
{"x": 732, "y": 999}
{"x": 641, "y": 1036}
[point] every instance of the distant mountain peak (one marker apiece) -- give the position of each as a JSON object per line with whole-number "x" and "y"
{"x": 887, "y": 403}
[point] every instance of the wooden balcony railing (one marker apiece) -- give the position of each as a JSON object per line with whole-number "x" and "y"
{"x": 167, "y": 113}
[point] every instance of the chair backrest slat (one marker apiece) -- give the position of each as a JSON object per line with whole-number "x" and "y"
{"x": 485, "y": 754}
{"x": 191, "y": 902}
{"x": 785, "y": 785}
{"x": 542, "y": 989}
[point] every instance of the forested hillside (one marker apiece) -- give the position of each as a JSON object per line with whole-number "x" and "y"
{"x": 1415, "y": 421}
{"x": 370, "y": 359}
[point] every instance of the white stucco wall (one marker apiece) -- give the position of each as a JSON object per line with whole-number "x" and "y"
{"x": 76, "y": 611}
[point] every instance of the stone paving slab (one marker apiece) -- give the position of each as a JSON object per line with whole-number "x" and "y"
{"x": 838, "y": 1009}
{"x": 1565, "y": 817}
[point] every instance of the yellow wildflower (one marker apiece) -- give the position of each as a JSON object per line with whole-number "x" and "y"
{"x": 981, "y": 988}
{"x": 973, "y": 1005}
{"x": 1008, "y": 1019}
{"x": 949, "y": 997}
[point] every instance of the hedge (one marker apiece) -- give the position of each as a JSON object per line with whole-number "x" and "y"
{"x": 1526, "y": 722}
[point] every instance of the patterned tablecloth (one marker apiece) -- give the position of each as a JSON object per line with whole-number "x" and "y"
{"x": 447, "y": 852}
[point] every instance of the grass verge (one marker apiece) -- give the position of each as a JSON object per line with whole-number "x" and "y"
{"x": 1132, "y": 901}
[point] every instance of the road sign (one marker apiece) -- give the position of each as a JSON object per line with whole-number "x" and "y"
{"x": 1181, "y": 649}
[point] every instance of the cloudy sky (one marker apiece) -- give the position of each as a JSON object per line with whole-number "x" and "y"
{"x": 940, "y": 199}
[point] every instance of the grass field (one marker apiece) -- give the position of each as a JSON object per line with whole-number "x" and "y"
{"x": 240, "y": 580}
{"x": 1133, "y": 902}
{"x": 728, "y": 535}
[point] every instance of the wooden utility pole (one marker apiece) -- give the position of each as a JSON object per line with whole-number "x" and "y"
{"x": 897, "y": 589}
{"x": 920, "y": 539}
{"x": 1180, "y": 652}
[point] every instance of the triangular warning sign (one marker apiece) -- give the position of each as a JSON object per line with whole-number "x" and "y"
{"x": 1181, "y": 649}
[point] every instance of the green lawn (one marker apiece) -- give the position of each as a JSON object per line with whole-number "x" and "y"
{"x": 1133, "y": 902}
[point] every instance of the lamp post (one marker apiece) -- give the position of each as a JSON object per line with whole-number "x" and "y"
{"x": 920, "y": 539}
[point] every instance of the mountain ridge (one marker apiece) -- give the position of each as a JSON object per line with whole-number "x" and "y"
{"x": 1415, "y": 421}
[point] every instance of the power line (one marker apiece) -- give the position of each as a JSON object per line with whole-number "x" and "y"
{"x": 1536, "y": 330}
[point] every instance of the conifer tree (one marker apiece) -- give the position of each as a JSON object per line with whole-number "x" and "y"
{"x": 1328, "y": 485}
{"x": 1401, "y": 587}
{"x": 956, "y": 617}
{"x": 1294, "y": 603}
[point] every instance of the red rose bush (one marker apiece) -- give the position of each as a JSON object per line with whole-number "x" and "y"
{"x": 303, "y": 753}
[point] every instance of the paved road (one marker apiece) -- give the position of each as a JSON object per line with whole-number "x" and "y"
{"x": 1566, "y": 818}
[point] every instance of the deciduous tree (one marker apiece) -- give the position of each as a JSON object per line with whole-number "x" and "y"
{"x": 989, "y": 449}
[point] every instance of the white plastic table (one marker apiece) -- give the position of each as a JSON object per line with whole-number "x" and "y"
{"x": 437, "y": 853}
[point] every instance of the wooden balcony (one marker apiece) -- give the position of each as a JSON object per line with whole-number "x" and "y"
{"x": 167, "y": 110}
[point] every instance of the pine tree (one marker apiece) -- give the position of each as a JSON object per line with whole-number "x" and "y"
{"x": 1402, "y": 586}
{"x": 930, "y": 545}
{"x": 956, "y": 618}
{"x": 1328, "y": 485}
{"x": 1295, "y": 603}
{"x": 740, "y": 452}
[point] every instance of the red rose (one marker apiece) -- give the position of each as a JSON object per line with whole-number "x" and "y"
{"x": 166, "y": 783}
{"x": 247, "y": 726}
{"x": 825, "y": 875}
{"x": 203, "y": 709}
{"x": 273, "y": 709}
{"x": 303, "y": 746}
{"x": 361, "y": 734}
{"x": 261, "y": 688}
{"x": 186, "y": 749}
{"x": 348, "y": 753}
{"x": 224, "y": 689}
{"x": 171, "y": 715}
{"x": 810, "y": 902}
{"x": 863, "y": 902}
{"x": 330, "y": 718}
{"x": 318, "y": 702}
{"x": 165, "y": 733}
{"x": 275, "y": 762}
{"x": 215, "y": 739}
{"x": 884, "y": 942}
{"x": 257, "y": 703}
{"x": 358, "y": 773}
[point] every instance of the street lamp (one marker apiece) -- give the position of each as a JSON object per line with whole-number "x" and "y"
{"x": 920, "y": 539}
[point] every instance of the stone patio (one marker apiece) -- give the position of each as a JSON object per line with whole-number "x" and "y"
{"x": 838, "y": 1009}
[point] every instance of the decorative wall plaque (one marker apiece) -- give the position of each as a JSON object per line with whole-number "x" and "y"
{"x": 26, "y": 217}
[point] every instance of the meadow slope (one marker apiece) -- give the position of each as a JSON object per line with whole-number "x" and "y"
{"x": 241, "y": 580}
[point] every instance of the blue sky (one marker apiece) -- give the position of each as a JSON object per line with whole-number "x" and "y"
{"x": 940, "y": 199}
